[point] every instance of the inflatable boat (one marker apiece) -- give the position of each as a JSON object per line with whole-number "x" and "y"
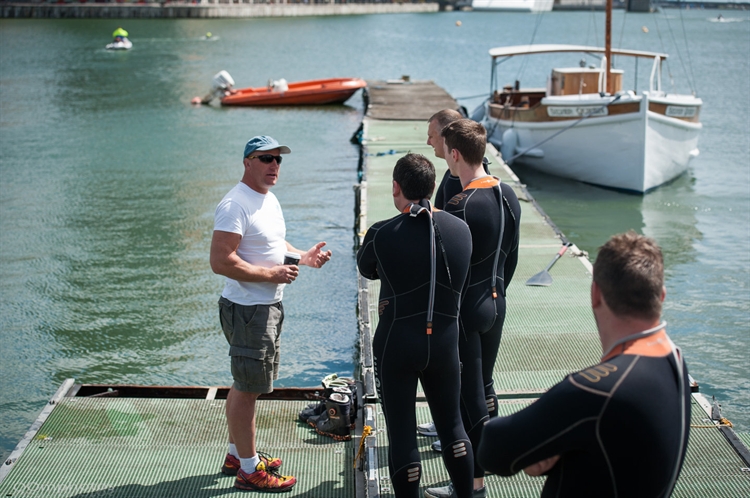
{"x": 312, "y": 92}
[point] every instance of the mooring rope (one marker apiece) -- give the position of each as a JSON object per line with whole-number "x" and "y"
{"x": 723, "y": 422}
{"x": 366, "y": 431}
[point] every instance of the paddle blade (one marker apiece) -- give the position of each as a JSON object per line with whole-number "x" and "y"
{"x": 541, "y": 279}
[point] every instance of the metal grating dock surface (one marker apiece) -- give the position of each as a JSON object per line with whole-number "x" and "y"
{"x": 140, "y": 447}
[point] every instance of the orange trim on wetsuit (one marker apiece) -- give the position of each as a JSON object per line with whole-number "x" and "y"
{"x": 484, "y": 182}
{"x": 653, "y": 345}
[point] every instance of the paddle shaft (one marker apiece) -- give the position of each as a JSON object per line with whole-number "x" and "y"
{"x": 557, "y": 256}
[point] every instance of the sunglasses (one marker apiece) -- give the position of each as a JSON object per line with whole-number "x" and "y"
{"x": 267, "y": 158}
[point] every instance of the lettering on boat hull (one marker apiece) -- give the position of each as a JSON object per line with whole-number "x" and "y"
{"x": 678, "y": 111}
{"x": 576, "y": 111}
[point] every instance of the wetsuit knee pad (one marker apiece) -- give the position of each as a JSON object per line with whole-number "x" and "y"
{"x": 457, "y": 449}
{"x": 405, "y": 481}
{"x": 491, "y": 399}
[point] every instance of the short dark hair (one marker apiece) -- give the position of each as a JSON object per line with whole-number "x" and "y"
{"x": 629, "y": 271}
{"x": 445, "y": 117}
{"x": 415, "y": 174}
{"x": 468, "y": 137}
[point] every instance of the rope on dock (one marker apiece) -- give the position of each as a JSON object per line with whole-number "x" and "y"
{"x": 723, "y": 422}
{"x": 366, "y": 431}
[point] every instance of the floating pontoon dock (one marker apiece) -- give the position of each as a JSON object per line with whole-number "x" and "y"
{"x": 139, "y": 442}
{"x": 549, "y": 331}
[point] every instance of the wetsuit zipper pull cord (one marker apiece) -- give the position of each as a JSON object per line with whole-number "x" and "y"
{"x": 498, "y": 194}
{"x": 414, "y": 210}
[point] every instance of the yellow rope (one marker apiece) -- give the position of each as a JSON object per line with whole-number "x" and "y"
{"x": 366, "y": 431}
{"x": 723, "y": 422}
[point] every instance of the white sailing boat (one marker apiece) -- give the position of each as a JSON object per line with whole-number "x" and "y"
{"x": 584, "y": 126}
{"x": 513, "y": 5}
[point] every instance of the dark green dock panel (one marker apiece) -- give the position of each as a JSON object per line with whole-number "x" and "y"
{"x": 162, "y": 447}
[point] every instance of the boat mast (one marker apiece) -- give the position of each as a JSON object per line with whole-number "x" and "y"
{"x": 608, "y": 46}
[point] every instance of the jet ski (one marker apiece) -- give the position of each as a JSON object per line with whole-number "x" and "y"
{"x": 121, "y": 44}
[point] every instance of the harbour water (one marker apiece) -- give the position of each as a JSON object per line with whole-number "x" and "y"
{"x": 109, "y": 179}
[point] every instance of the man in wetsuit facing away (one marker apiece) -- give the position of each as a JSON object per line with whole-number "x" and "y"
{"x": 450, "y": 185}
{"x": 619, "y": 428}
{"x": 422, "y": 259}
{"x": 492, "y": 211}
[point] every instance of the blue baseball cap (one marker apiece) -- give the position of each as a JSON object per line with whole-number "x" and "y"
{"x": 264, "y": 142}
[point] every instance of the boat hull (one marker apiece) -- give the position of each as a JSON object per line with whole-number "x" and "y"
{"x": 629, "y": 151}
{"x": 313, "y": 92}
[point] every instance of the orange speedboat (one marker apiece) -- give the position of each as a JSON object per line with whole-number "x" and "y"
{"x": 313, "y": 92}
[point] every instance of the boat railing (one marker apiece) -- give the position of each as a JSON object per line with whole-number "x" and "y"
{"x": 655, "y": 74}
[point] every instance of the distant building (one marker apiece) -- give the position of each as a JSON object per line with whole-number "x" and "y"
{"x": 586, "y": 4}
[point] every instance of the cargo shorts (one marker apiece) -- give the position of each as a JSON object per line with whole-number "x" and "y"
{"x": 253, "y": 334}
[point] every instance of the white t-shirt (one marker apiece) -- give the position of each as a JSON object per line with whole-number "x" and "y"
{"x": 258, "y": 219}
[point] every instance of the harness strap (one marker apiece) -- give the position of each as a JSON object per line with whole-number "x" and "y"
{"x": 414, "y": 211}
{"x": 498, "y": 196}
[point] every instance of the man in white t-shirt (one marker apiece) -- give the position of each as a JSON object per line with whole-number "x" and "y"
{"x": 248, "y": 247}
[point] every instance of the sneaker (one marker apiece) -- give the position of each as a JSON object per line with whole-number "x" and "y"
{"x": 437, "y": 446}
{"x": 232, "y": 464}
{"x": 272, "y": 463}
{"x": 264, "y": 479}
{"x": 427, "y": 429}
{"x": 442, "y": 492}
{"x": 449, "y": 492}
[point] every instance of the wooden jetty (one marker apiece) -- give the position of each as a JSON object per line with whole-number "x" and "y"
{"x": 141, "y": 441}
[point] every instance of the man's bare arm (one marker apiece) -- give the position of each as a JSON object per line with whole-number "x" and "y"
{"x": 225, "y": 261}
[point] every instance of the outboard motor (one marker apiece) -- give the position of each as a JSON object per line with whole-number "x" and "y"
{"x": 222, "y": 81}
{"x": 221, "y": 85}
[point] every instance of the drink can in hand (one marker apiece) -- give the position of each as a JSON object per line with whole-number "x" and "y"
{"x": 291, "y": 258}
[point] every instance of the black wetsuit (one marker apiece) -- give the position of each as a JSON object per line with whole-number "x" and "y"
{"x": 620, "y": 427}
{"x": 398, "y": 252}
{"x": 451, "y": 185}
{"x": 483, "y": 306}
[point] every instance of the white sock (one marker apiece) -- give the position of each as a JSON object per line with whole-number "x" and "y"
{"x": 233, "y": 450}
{"x": 249, "y": 464}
